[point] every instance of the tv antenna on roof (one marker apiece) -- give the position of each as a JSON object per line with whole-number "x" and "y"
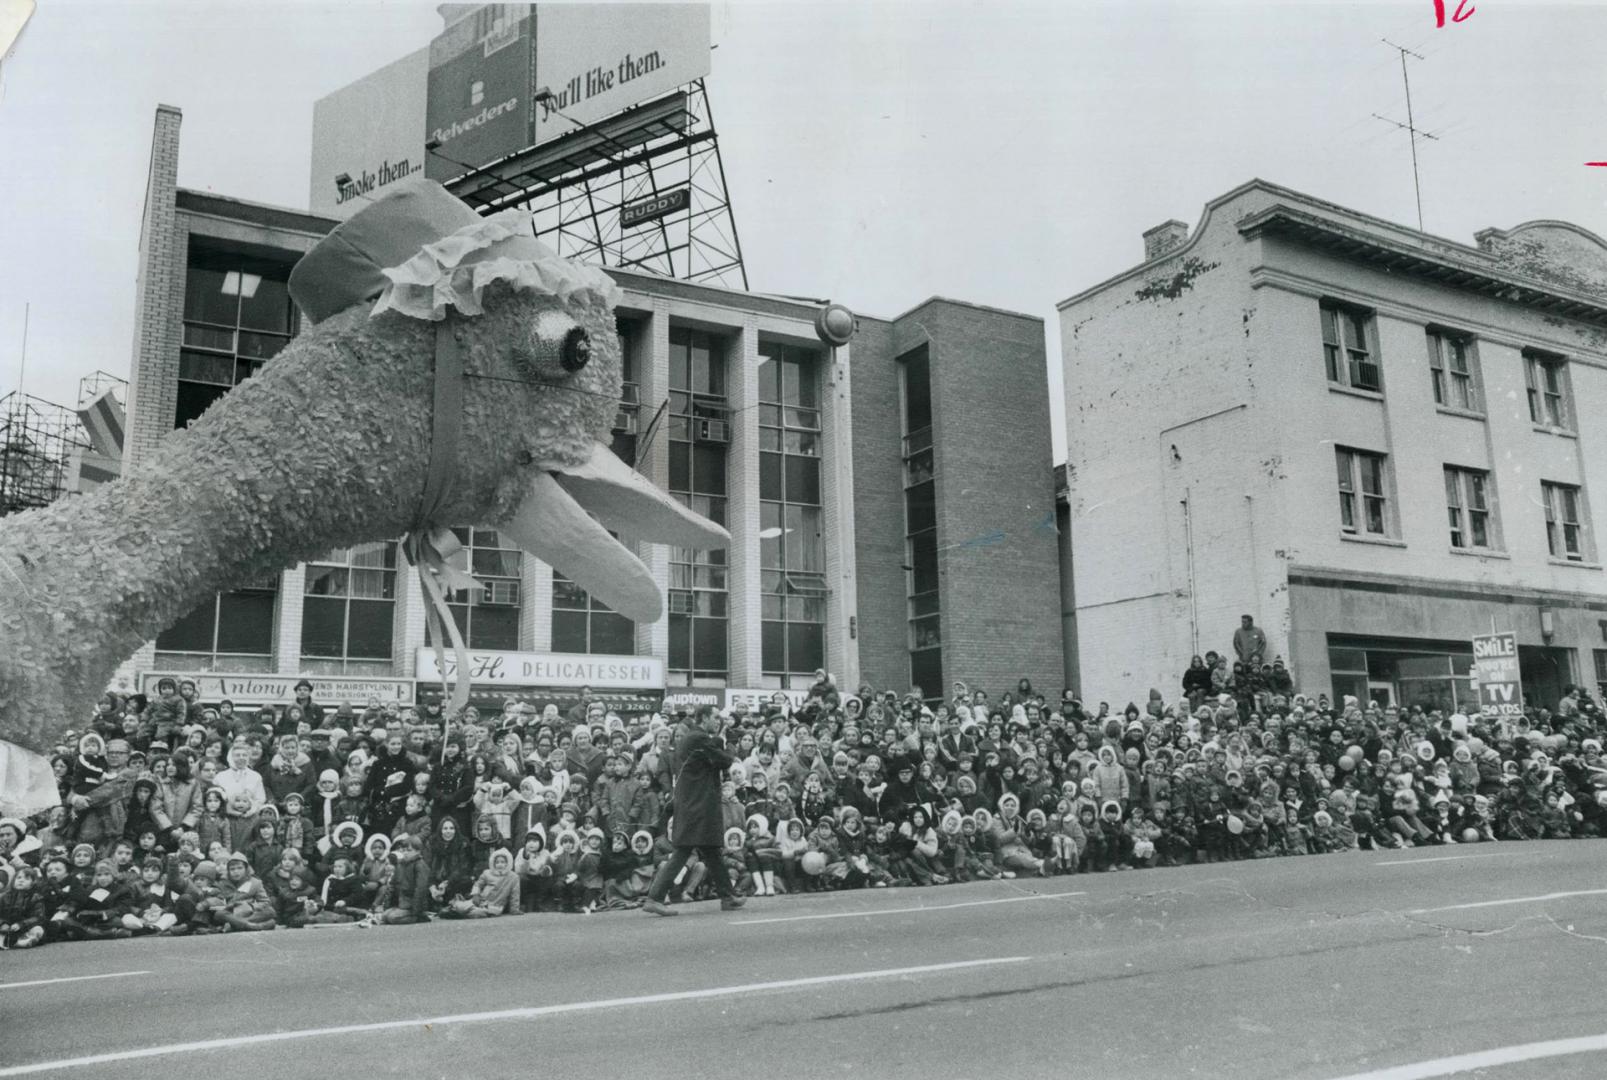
{"x": 1410, "y": 127}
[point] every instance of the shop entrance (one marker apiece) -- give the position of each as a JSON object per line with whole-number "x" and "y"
{"x": 1404, "y": 672}
{"x": 1544, "y": 671}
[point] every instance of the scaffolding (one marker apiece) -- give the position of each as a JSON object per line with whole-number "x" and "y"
{"x": 38, "y": 439}
{"x": 93, "y": 386}
{"x": 643, "y": 189}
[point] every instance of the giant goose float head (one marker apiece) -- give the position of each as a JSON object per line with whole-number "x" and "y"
{"x": 456, "y": 373}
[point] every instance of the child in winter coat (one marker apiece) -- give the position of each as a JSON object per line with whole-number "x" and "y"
{"x": 492, "y": 893}
{"x": 22, "y": 911}
{"x": 249, "y": 905}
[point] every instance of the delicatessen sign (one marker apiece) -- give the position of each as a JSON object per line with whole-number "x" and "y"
{"x": 509, "y": 669}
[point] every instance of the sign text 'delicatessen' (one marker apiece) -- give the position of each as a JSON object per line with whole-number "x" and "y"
{"x": 549, "y": 669}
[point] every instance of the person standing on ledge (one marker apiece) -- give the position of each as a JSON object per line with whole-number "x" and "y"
{"x": 1249, "y": 643}
{"x": 700, "y": 764}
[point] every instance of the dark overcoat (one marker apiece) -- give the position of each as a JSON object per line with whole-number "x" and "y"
{"x": 701, "y": 763}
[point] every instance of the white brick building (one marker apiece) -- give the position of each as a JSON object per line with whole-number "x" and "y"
{"x": 1376, "y": 442}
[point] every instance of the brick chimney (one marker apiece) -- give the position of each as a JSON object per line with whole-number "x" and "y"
{"x": 1163, "y": 238}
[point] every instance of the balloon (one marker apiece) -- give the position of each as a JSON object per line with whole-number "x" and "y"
{"x": 1470, "y": 836}
{"x": 1347, "y": 763}
{"x": 813, "y": 862}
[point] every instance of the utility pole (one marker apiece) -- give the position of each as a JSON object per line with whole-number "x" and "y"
{"x": 1410, "y": 127}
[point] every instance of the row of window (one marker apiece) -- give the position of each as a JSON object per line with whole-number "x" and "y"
{"x": 1365, "y": 506}
{"x": 1351, "y": 357}
{"x": 238, "y": 314}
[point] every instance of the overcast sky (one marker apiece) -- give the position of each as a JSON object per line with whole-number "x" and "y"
{"x": 877, "y": 154}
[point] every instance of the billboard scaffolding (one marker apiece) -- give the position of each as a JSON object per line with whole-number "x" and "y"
{"x": 37, "y": 441}
{"x": 642, "y": 189}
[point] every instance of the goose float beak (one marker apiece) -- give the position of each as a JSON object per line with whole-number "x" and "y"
{"x": 565, "y": 520}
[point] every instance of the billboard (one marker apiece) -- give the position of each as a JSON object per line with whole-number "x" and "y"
{"x": 1495, "y": 666}
{"x": 477, "y": 104}
{"x": 369, "y": 132}
{"x": 213, "y": 687}
{"x": 600, "y": 58}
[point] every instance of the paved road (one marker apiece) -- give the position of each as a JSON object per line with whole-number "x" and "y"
{"x": 1312, "y": 968}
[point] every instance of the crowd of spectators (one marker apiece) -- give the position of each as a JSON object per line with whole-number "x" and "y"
{"x": 184, "y": 818}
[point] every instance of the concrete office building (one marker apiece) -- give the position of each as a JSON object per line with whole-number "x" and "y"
{"x": 1375, "y": 441}
{"x": 890, "y": 505}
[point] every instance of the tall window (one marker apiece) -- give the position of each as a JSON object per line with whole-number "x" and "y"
{"x": 1548, "y": 389}
{"x": 237, "y": 315}
{"x": 1363, "y": 492}
{"x": 1450, "y": 361}
{"x": 231, "y": 631}
{"x": 583, "y": 624}
{"x": 1565, "y": 530}
{"x": 1601, "y": 673}
{"x": 1349, "y": 351}
{"x": 699, "y": 436}
{"x": 920, "y": 525}
{"x": 347, "y": 613}
{"x": 488, "y": 619}
{"x": 792, "y": 555}
{"x": 627, "y": 420}
{"x": 1467, "y": 501}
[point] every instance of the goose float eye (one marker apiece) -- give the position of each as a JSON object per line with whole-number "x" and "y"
{"x": 577, "y": 350}
{"x": 556, "y": 347}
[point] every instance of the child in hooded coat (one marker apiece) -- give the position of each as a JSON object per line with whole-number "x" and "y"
{"x": 249, "y": 906}
{"x": 533, "y": 864}
{"x": 492, "y": 893}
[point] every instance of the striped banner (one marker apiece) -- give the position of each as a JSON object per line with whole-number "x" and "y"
{"x": 103, "y": 419}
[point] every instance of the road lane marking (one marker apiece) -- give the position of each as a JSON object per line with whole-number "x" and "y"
{"x": 1513, "y": 900}
{"x": 1442, "y": 858}
{"x": 528, "y": 1013}
{"x": 902, "y": 910}
{"x": 71, "y": 978}
{"x": 1486, "y": 1059}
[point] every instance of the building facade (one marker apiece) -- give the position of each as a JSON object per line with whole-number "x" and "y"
{"x": 1374, "y": 441}
{"x": 855, "y": 483}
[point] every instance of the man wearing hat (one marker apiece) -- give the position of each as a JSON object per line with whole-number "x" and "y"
{"x": 700, "y": 764}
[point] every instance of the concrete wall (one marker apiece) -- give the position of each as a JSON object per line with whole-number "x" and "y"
{"x": 1165, "y": 370}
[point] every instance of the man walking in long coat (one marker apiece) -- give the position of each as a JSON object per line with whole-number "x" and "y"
{"x": 700, "y": 763}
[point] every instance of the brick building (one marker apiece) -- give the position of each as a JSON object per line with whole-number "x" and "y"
{"x": 891, "y": 506}
{"x": 1374, "y": 441}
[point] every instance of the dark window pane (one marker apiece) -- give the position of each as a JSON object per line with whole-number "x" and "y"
{"x": 268, "y": 308}
{"x": 207, "y": 367}
{"x": 770, "y": 477}
{"x": 193, "y": 400}
{"x": 769, "y": 380}
{"x": 708, "y": 469}
{"x": 261, "y": 346}
{"x": 680, "y": 466}
{"x": 917, "y": 391}
{"x": 369, "y": 636}
{"x": 245, "y": 622}
{"x": 494, "y": 628}
{"x": 567, "y": 595}
{"x": 569, "y": 631}
{"x": 680, "y": 360}
{"x": 803, "y": 480}
{"x": 923, "y": 556}
{"x": 773, "y": 642}
{"x": 806, "y": 647}
{"x": 612, "y": 634}
{"x": 680, "y": 642}
{"x": 708, "y": 644}
{"x": 204, "y": 298}
{"x": 326, "y": 581}
{"x": 920, "y": 507}
{"x": 496, "y": 563}
{"x": 193, "y": 633}
{"x": 926, "y": 670}
{"x": 323, "y": 625}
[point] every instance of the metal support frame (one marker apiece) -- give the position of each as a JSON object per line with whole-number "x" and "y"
{"x": 576, "y": 205}
{"x": 37, "y": 441}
